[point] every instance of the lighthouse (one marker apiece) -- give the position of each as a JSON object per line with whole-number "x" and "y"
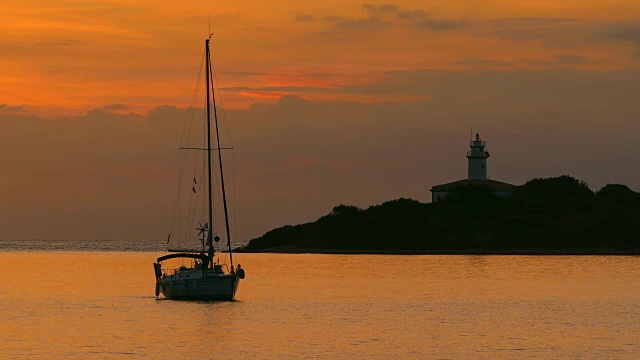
{"x": 476, "y": 174}
{"x": 477, "y": 158}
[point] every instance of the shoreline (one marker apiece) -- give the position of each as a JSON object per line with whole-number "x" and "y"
{"x": 533, "y": 252}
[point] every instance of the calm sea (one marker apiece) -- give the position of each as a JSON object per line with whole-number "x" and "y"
{"x": 96, "y": 304}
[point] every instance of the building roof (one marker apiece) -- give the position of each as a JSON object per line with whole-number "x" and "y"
{"x": 497, "y": 186}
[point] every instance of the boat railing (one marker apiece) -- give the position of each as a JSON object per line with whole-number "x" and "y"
{"x": 170, "y": 272}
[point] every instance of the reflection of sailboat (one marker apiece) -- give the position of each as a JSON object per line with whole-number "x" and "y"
{"x": 204, "y": 279}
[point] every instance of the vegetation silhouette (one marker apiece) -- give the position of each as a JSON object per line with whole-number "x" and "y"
{"x": 553, "y": 215}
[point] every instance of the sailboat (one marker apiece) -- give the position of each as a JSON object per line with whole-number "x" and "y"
{"x": 200, "y": 277}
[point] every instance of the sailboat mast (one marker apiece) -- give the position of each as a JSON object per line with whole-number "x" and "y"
{"x": 209, "y": 240}
{"x": 224, "y": 193}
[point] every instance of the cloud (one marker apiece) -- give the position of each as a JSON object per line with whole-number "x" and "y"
{"x": 417, "y": 18}
{"x": 439, "y": 24}
{"x": 480, "y": 62}
{"x": 380, "y": 9}
{"x": 571, "y": 59}
{"x": 562, "y": 32}
{"x": 115, "y": 107}
{"x": 244, "y": 73}
{"x": 565, "y": 59}
{"x": 279, "y": 89}
{"x": 506, "y": 89}
{"x": 388, "y": 15}
{"x": 255, "y": 73}
{"x": 305, "y": 18}
{"x": 65, "y": 42}
{"x": 4, "y": 108}
{"x": 405, "y": 14}
{"x": 621, "y": 31}
{"x": 301, "y": 162}
{"x": 551, "y": 30}
{"x": 371, "y": 23}
{"x": 114, "y": 173}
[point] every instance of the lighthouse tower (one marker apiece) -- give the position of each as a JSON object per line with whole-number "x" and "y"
{"x": 477, "y": 175}
{"x": 477, "y": 159}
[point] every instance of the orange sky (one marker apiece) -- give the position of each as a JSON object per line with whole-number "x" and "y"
{"x": 66, "y": 57}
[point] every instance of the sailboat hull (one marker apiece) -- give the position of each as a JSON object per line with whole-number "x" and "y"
{"x": 219, "y": 287}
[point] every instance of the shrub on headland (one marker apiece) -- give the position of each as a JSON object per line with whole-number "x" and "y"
{"x": 553, "y": 214}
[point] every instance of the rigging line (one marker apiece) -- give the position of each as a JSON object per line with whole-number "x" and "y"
{"x": 224, "y": 112}
{"x": 179, "y": 187}
{"x": 189, "y": 126}
{"x": 186, "y": 235}
{"x": 224, "y": 196}
{"x": 191, "y": 114}
{"x": 213, "y": 193}
{"x": 192, "y": 205}
{"x": 187, "y": 131}
{"x": 191, "y": 121}
{"x": 216, "y": 194}
{"x": 181, "y": 166}
{"x": 217, "y": 198}
{"x": 226, "y": 120}
{"x": 193, "y": 97}
{"x": 204, "y": 142}
{"x": 191, "y": 220}
{"x": 233, "y": 175}
{"x": 176, "y": 205}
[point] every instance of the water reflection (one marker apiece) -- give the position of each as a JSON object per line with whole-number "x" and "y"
{"x": 101, "y": 305}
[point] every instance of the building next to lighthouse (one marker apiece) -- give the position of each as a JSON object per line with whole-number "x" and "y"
{"x": 477, "y": 174}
